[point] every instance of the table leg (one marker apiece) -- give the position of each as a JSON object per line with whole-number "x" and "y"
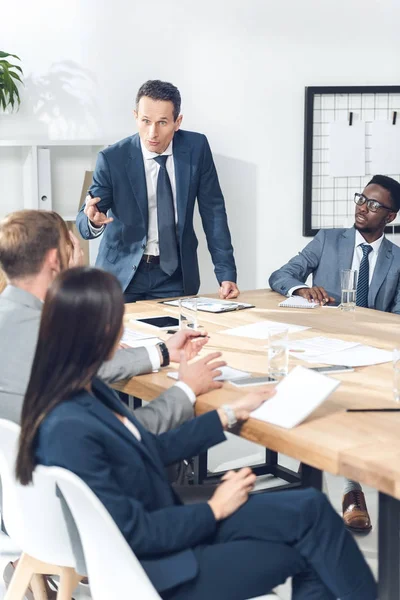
{"x": 389, "y": 548}
{"x": 310, "y": 477}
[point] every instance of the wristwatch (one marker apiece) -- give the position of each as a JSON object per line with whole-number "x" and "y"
{"x": 230, "y": 415}
{"x": 164, "y": 354}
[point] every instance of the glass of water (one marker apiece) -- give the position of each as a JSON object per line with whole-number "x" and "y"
{"x": 278, "y": 353}
{"x": 188, "y": 313}
{"x": 396, "y": 374}
{"x": 348, "y": 279}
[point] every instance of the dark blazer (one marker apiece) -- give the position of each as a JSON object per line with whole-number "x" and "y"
{"x": 128, "y": 476}
{"x": 119, "y": 180}
{"x": 331, "y": 251}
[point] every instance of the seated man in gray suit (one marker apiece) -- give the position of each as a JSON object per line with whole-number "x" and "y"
{"x": 34, "y": 247}
{"x": 365, "y": 249}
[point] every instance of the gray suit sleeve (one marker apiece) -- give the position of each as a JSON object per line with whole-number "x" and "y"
{"x": 396, "y": 301}
{"x": 296, "y": 271}
{"x": 168, "y": 411}
{"x": 125, "y": 364}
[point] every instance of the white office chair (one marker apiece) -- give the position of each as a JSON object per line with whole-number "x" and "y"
{"x": 113, "y": 568}
{"x": 34, "y": 520}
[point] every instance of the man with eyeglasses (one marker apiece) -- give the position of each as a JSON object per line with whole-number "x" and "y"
{"x": 365, "y": 249}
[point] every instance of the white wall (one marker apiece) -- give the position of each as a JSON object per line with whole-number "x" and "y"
{"x": 241, "y": 68}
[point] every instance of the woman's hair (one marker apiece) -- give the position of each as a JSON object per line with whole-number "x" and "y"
{"x": 80, "y": 325}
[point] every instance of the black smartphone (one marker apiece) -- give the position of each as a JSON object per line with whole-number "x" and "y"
{"x": 332, "y": 369}
{"x": 246, "y": 381}
{"x": 334, "y": 304}
{"x": 164, "y": 322}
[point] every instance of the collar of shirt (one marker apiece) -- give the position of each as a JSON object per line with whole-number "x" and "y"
{"x": 147, "y": 154}
{"x": 374, "y": 245}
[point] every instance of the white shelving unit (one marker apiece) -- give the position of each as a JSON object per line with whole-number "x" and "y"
{"x": 46, "y": 175}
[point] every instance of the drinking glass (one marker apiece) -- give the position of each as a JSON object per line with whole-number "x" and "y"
{"x": 188, "y": 313}
{"x": 396, "y": 374}
{"x": 278, "y": 353}
{"x": 348, "y": 279}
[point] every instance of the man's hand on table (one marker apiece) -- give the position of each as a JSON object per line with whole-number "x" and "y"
{"x": 187, "y": 342}
{"x": 200, "y": 375}
{"x": 314, "y": 294}
{"x": 228, "y": 290}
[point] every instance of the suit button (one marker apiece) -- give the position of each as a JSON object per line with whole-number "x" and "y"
{"x": 134, "y": 267}
{"x": 143, "y": 246}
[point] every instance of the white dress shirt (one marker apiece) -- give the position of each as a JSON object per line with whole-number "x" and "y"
{"x": 151, "y": 169}
{"x": 357, "y": 257}
{"x": 372, "y": 256}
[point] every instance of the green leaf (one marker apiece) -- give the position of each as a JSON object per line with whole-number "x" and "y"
{"x": 5, "y": 54}
{"x": 16, "y": 76}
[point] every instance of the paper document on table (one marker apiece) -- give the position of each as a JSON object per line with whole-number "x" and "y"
{"x": 298, "y": 302}
{"x": 227, "y": 374}
{"x": 305, "y": 349}
{"x": 259, "y": 331}
{"x": 359, "y": 356}
{"x": 297, "y": 396}
{"x": 209, "y": 304}
{"x": 134, "y": 339}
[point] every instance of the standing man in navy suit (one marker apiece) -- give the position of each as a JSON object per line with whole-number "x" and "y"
{"x": 142, "y": 200}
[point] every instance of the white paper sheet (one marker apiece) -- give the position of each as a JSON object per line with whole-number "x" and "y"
{"x": 297, "y": 396}
{"x": 209, "y": 304}
{"x": 318, "y": 346}
{"x": 134, "y": 339}
{"x": 259, "y": 331}
{"x": 385, "y": 147}
{"x": 347, "y": 149}
{"x": 227, "y": 374}
{"x": 359, "y": 356}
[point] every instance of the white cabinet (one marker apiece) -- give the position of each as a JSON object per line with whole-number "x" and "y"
{"x": 46, "y": 175}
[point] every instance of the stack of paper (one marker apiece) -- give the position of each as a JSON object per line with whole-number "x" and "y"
{"x": 134, "y": 339}
{"x": 227, "y": 374}
{"x": 330, "y": 351}
{"x": 209, "y": 304}
{"x": 259, "y": 331}
{"x": 297, "y": 396}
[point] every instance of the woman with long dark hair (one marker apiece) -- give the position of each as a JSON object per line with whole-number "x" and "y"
{"x": 231, "y": 547}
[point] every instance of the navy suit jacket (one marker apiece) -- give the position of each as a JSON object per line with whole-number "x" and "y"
{"x": 119, "y": 180}
{"x": 331, "y": 251}
{"x": 83, "y": 435}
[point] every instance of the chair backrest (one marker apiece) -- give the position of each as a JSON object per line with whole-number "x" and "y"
{"x": 113, "y": 569}
{"x": 32, "y": 514}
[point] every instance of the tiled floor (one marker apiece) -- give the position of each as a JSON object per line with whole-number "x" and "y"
{"x": 333, "y": 486}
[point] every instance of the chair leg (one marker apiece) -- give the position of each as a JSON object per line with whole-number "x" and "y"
{"x": 68, "y": 582}
{"x": 21, "y": 579}
{"x": 39, "y": 588}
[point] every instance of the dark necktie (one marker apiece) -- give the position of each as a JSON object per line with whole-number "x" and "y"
{"x": 363, "y": 277}
{"x": 166, "y": 220}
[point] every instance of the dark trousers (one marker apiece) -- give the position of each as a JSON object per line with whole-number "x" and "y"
{"x": 275, "y": 536}
{"x": 150, "y": 283}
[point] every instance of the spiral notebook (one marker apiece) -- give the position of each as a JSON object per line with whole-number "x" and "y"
{"x": 298, "y": 302}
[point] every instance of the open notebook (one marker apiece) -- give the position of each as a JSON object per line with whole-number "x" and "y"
{"x": 298, "y": 302}
{"x": 297, "y": 396}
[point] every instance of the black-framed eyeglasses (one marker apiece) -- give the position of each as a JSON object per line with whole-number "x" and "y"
{"x": 372, "y": 205}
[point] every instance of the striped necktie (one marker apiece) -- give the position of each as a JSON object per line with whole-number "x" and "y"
{"x": 363, "y": 277}
{"x": 167, "y": 241}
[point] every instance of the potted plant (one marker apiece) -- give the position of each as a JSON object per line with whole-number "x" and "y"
{"x": 9, "y": 79}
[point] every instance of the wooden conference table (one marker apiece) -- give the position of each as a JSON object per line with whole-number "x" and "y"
{"x": 360, "y": 446}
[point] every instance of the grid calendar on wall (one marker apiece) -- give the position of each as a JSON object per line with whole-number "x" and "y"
{"x": 328, "y": 201}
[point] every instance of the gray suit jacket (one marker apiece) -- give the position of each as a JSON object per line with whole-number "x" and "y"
{"x": 19, "y": 327}
{"x": 331, "y": 251}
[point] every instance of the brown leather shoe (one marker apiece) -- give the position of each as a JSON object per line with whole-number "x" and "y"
{"x": 355, "y": 512}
